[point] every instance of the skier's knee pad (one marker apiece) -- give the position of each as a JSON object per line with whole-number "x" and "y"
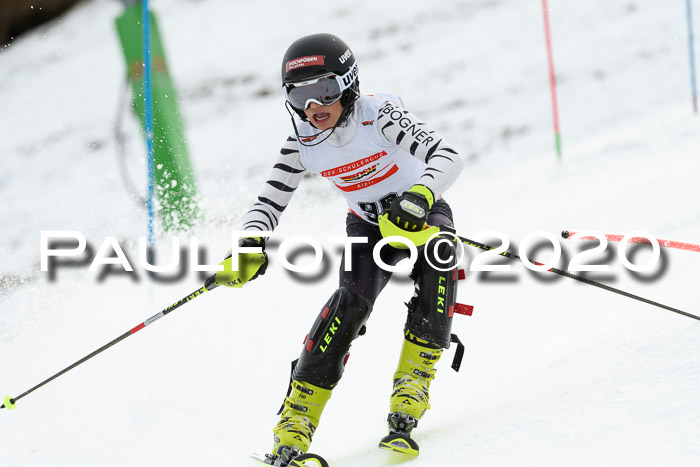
{"x": 326, "y": 347}
{"x": 430, "y": 310}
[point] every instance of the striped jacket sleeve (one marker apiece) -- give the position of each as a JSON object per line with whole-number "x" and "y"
{"x": 443, "y": 162}
{"x": 278, "y": 190}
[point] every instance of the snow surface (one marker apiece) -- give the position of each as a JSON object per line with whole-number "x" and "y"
{"x": 555, "y": 372}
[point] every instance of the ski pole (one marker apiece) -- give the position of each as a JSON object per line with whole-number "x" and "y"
{"x": 641, "y": 240}
{"x": 210, "y": 284}
{"x": 585, "y": 280}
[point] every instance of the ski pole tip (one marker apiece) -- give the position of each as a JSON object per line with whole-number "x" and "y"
{"x": 565, "y": 234}
{"x": 9, "y": 403}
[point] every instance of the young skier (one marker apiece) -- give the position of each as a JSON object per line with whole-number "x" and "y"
{"x": 392, "y": 170}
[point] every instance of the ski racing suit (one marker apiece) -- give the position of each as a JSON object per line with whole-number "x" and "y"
{"x": 379, "y": 152}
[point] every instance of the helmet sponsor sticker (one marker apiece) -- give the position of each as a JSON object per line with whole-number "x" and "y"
{"x": 304, "y": 61}
{"x": 343, "y": 58}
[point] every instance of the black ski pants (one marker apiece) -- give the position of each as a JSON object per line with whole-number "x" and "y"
{"x": 342, "y": 318}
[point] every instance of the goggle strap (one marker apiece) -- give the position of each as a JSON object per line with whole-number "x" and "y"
{"x": 348, "y": 77}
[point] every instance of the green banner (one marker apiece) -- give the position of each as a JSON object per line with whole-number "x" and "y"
{"x": 174, "y": 182}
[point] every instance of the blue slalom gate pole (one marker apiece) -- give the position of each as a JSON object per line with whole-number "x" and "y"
{"x": 148, "y": 114}
{"x": 691, "y": 50}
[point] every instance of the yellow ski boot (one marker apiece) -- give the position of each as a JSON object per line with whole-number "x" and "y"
{"x": 410, "y": 398}
{"x": 300, "y": 417}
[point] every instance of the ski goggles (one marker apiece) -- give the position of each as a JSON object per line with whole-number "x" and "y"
{"x": 322, "y": 91}
{"x": 325, "y": 90}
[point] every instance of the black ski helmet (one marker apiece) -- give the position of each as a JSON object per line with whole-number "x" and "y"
{"x": 320, "y": 55}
